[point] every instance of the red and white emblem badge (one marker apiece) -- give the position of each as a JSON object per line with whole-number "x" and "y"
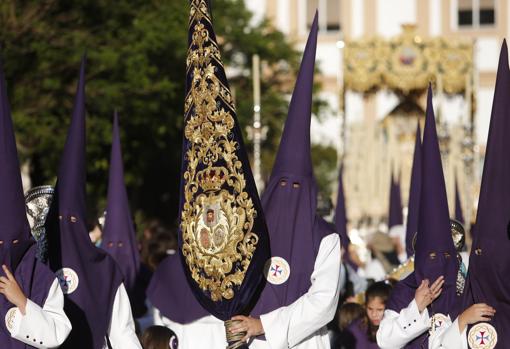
{"x": 68, "y": 280}
{"x": 277, "y": 270}
{"x": 437, "y": 322}
{"x": 482, "y": 336}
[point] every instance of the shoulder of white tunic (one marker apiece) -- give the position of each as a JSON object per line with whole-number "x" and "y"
{"x": 330, "y": 240}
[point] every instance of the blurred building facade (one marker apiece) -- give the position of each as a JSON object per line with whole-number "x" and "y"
{"x": 373, "y": 127}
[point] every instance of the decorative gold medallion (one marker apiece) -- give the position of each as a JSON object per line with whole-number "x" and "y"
{"x": 218, "y": 214}
{"x": 437, "y": 322}
{"x": 277, "y": 270}
{"x": 482, "y": 336}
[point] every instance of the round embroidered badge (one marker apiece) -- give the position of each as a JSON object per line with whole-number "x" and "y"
{"x": 68, "y": 280}
{"x": 482, "y": 336}
{"x": 277, "y": 270}
{"x": 9, "y": 318}
{"x": 437, "y": 322}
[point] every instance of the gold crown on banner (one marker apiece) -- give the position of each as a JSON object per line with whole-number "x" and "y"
{"x": 212, "y": 178}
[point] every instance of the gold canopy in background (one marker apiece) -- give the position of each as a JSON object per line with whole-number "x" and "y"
{"x": 374, "y": 146}
{"x": 407, "y": 62}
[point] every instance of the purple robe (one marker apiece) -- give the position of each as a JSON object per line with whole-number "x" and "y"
{"x": 35, "y": 280}
{"x": 358, "y": 329}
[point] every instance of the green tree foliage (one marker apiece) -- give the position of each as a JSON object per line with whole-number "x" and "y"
{"x": 136, "y": 53}
{"x": 324, "y": 159}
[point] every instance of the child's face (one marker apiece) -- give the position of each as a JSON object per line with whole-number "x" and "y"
{"x": 375, "y": 310}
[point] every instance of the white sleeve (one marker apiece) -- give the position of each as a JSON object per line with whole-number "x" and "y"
{"x": 398, "y": 329}
{"x": 46, "y": 327}
{"x": 449, "y": 338}
{"x": 122, "y": 327}
{"x": 287, "y": 326}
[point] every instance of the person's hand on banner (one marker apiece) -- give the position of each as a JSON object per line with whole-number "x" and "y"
{"x": 252, "y": 326}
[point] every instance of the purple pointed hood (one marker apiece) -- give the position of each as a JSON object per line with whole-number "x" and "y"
{"x": 119, "y": 237}
{"x": 489, "y": 262}
{"x": 459, "y": 216}
{"x": 17, "y": 250}
{"x": 341, "y": 221}
{"x": 88, "y": 275}
{"x": 14, "y": 225}
{"x": 413, "y": 208}
{"x": 395, "y": 208}
{"x": 435, "y": 252}
{"x": 290, "y": 199}
{"x": 294, "y": 152}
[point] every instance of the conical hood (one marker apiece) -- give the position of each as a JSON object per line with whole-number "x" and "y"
{"x": 341, "y": 221}
{"x": 395, "y": 208}
{"x": 13, "y": 219}
{"x": 71, "y": 174}
{"x": 459, "y": 216}
{"x": 340, "y": 213}
{"x": 413, "y": 207}
{"x": 290, "y": 199}
{"x": 119, "y": 237}
{"x": 88, "y": 276}
{"x": 435, "y": 252}
{"x": 489, "y": 263}
{"x": 294, "y": 154}
{"x": 223, "y": 235}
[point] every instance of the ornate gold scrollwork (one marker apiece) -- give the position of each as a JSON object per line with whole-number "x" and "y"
{"x": 407, "y": 62}
{"x": 218, "y": 213}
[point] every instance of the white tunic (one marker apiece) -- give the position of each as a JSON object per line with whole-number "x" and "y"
{"x": 45, "y": 327}
{"x": 207, "y": 332}
{"x": 302, "y": 324}
{"x": 121, "y": 331}
{"x": 398, "y": 329}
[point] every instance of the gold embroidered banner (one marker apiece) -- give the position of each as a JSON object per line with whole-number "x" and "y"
{"x": 219, "y": 213}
